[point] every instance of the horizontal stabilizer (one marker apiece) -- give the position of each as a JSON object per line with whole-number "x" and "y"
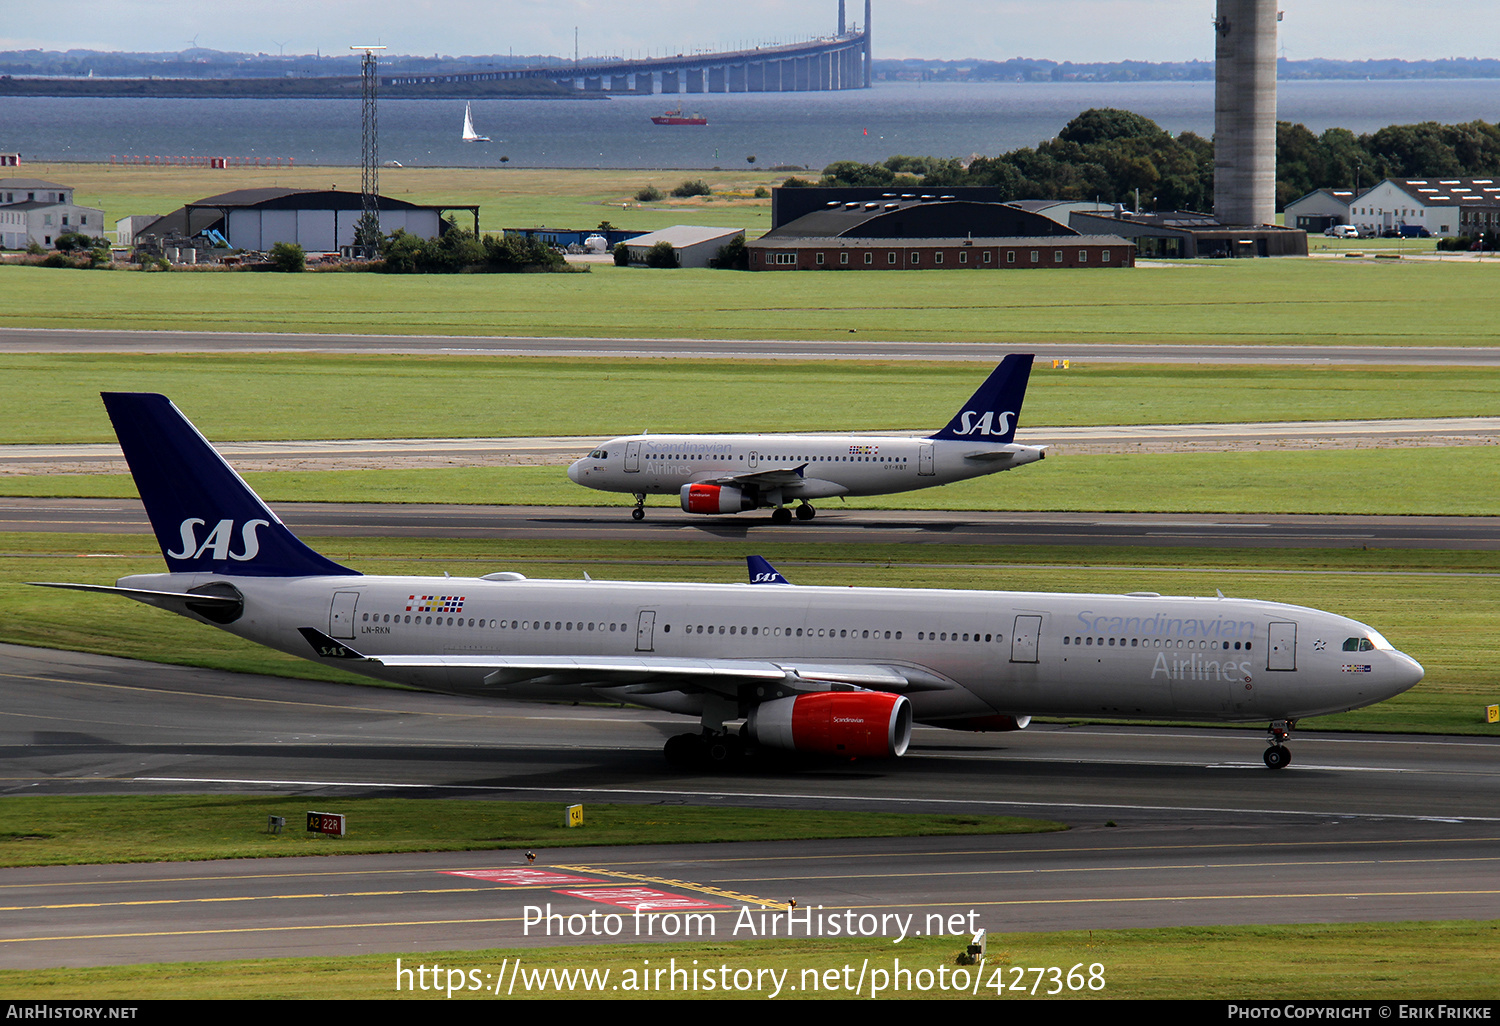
{"x": 223, "y": 604}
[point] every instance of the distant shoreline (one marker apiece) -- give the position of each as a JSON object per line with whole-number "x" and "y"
{"x": 340, "y": 88}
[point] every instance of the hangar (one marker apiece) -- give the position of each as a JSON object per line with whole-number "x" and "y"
{"x": 872, "y": 229}
{"x": 318, "y": 220}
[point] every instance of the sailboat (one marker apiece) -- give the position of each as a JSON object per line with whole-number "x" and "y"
{"x": 469, "y": 134}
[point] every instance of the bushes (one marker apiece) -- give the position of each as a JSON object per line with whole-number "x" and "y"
{"x": 694, "y": 188}
{"x": 459, "y": 251}
{"x": 661, "y": 255}
{"x": 732, "y": 256}
{"x": 622, "y": 255}
{"x": 288, "y": 257}
{"x": 650, "y": 194}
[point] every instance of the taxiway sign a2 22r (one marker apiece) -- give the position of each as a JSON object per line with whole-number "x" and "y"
{"x": 735, "y": 473}
{"x": 841, "y": 671}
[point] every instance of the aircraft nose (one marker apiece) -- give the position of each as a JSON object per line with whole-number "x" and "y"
{"x": 575, "y": 469}
{"x": 1408, "y": 672}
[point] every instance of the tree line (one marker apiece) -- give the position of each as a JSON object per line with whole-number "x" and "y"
{"x": 1108, "y": 156}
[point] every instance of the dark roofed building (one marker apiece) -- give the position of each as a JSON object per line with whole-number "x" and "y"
{"x": 318, "y": 220}
{"x": 1188, "y": 233}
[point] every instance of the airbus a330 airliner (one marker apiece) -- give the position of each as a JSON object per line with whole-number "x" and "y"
{"x": 734, "y": 473}
{"x": 841, "y": 671}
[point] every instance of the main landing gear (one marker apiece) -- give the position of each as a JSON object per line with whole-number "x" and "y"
{"x": 712, "y": 751}
{"x": 782, "y": 515}
{"x": 1277, "y": 754}
{"x": 639, "y": 513}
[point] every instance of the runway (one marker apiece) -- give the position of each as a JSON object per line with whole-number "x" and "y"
{"x": 68, "y": 340}
{"x": 1170, "y": 826}
{"x": 537, "y": 523}
{"x": 558, "y": 451}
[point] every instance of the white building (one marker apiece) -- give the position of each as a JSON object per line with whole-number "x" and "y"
{"x": 33, "y": 210}
{"x": 694, "y": 245}
{"x": 1319, "y": 209}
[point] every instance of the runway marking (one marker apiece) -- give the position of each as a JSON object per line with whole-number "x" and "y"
{"x": 682, "y": 884}
{"x": 142, "y": 902}
{"x": 1095, "y": 868}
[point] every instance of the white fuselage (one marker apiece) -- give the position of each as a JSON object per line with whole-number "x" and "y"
{"x": 981, "y": 654}
{"x": 810, "y": 466}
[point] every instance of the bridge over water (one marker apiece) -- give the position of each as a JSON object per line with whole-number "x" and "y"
{"x": 840, "y": 61}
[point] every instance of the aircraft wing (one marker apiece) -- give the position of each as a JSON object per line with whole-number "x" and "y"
{"x": 646, "y": 673}
{"x": 776, "y": 477}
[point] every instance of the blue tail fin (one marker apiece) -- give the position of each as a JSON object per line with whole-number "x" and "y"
{"x": 206, "y": 518}
{"x": 762, "y": 572}
{"x": 992, "y": 413}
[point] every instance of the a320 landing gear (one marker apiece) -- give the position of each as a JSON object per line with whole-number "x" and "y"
{"x": 639, "y": 513}
{"x": 1277, "y": 754}
{"x": 782, "y": 515}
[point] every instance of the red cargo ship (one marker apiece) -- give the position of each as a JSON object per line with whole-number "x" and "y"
{"x": 676, "y": 117}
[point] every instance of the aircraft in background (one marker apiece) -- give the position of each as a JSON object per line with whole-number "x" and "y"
{"x": 735, "y": 473}
{"x": 839, "y": 671}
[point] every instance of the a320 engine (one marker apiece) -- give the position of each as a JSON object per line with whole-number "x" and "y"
{"x": 708, "y": 498}
{"x": 865, "y": 724}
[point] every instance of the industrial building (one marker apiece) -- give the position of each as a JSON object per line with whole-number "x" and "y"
{"x": 948, "y": 254}
{"x": 878, "y": 229}
{"x": 318, "y": 220}
{"x": 694, "y": 245}
{"x": 33, "y": 210}
{"x": 1186, "y": 234}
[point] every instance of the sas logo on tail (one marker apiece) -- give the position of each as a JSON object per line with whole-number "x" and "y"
{"x": 984, "y": 425}
{"x": 217, "y": 544}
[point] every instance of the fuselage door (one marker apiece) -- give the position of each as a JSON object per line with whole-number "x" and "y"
{"x": 632, "y": 457}
{"x": 645, "y": 629}
{"x": 924, "y": 460}
{"x": 1023, "y": 640}
{"x": 341, "y": 614}
{"x": 1282, "y": 654}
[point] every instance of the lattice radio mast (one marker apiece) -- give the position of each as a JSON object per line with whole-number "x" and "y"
{"x": 367, "y": 235}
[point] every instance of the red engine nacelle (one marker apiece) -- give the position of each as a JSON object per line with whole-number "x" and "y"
{"x": 853, "y": 723}
{"x": 707, "y": 498}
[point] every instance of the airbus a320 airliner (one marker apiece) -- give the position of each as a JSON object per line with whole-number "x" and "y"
{"x": 734, "y": 473}
{"x": 841, "y": 671}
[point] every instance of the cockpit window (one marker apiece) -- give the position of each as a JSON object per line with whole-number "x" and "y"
{"x": 1361, "y": 644}
{"x": 599, "y": 454}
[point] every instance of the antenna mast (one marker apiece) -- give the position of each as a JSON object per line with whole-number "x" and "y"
{"x": 367, "y": 235}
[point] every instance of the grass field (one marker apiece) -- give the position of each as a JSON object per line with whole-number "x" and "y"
{"x": 507, "y": 197}
{"x": 1238, "y": 301}
{"x": 1418, "y": 481}
{"x": 1440, "y": 607}
{"x": 301, "y": 396}
{"x": 1319, "y": 962}
{"x": 56, "y": 831}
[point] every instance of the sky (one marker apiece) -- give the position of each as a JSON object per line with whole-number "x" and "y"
{"x": 1075, "y": 30}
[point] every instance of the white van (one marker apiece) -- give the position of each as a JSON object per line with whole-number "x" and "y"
{"x": 1341, "y": 231}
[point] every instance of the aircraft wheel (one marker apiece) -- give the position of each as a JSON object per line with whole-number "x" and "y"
{"x": 723, "y": 751}
{"x": 781, "y": 515}
{"x": 806, "y": 512}
{"x": 1277, "y": 757}
{"x": 637, "y": 514}
{"x": 683, "y": 751}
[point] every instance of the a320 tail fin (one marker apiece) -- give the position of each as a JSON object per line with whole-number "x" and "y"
{"x": 206, "y": 518}
{"x": 992, "y": 413}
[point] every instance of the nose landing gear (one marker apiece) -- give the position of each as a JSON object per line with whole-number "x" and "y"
{"x": 1277, "y": 755}
{"x": 639, "y": 513}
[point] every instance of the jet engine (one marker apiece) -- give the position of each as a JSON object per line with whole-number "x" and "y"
{"x": 707, "y": 498}
{"x": 853, "y": 723}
